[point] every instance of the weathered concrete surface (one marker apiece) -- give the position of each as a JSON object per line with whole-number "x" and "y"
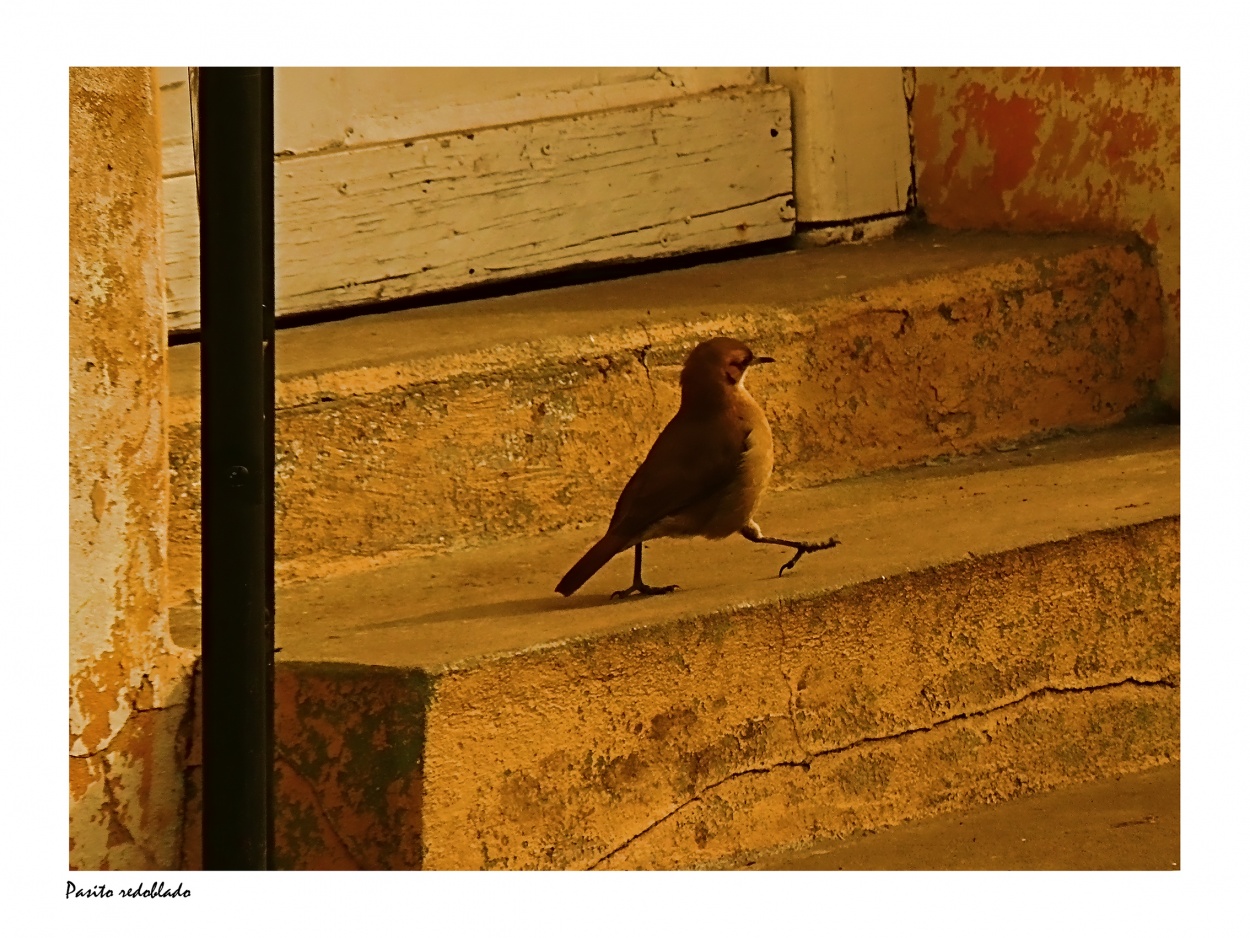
{"x": 128, "y": 691}
{"x": 1130, "y": 822}
{"x": 1048, "y": 739}
{"x": 997, "y": 626}
{"x": 1045, "y": 149}
{"x": 699, "y": 742}
{"x": 535, "y": 409}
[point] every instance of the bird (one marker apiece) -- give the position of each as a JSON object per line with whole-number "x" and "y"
{"x": 703, "y": 477}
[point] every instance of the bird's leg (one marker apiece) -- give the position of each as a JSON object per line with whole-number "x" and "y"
{"x": 638, "y": 586}
{"x": 751, "y": 531}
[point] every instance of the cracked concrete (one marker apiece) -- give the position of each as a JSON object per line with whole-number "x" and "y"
{"x": 1127, "y": 822}
{"x": 641, "y": 354}
{"x": 996, "y": 625}
{"x": 751, "y": 812}
{"x": 785, "y": 676}
{"x": 811, "y": 757}
{"x": 908, "y": 665}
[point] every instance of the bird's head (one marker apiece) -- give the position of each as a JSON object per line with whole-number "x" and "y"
{"x": 718, "y": 363}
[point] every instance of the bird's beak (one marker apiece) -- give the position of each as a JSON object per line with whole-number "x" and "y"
{"x": 762, "y": 360}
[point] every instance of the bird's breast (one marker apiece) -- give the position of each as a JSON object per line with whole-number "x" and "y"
{"x": 757, "y": 457}
{"x": 725, "y": 509}
{"x": 738, "y": 502}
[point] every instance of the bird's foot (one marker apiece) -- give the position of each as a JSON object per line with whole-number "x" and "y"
{"x": 642, "y": 589}
{"x": 803, "y": 548}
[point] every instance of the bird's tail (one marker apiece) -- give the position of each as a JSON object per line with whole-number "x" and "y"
{"x": 607, "y": 547}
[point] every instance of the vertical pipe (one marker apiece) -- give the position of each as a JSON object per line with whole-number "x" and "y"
{"x": 269, "y": 312}
{"x": 235, "y": 126}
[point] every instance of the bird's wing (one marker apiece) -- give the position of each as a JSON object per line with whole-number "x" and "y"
{"x": 690, "y": 460}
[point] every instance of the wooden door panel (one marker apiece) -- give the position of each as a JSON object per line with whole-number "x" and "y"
{"x": 852, "y": 142}
{"x": 415, "y": 216}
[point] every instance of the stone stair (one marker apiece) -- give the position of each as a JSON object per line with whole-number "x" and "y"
{"x": 970, "y": 413}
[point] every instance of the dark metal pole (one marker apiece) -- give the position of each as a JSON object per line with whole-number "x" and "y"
{"x": 235, "y": 128}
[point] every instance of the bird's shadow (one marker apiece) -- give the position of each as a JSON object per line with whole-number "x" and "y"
{"x": 500, "y": 609}
{"x": 510, "y": 608}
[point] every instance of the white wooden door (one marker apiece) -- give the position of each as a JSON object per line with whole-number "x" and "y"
{"x": 399, "y": 182}
{"x": 394, "y": 183}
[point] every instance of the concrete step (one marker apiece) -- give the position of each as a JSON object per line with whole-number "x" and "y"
{"x": 1004, "y": 624}
{"x": 1128, "y": 822}
{"x": 454, "y": 426}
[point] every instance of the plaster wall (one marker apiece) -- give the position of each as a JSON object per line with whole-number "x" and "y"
{"x": 1038, "y": 149}
{"x": 128, "y": 682}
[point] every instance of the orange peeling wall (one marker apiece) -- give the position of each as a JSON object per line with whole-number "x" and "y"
{"x": 128, "y": 683}
{"x": 1038, "y": 149}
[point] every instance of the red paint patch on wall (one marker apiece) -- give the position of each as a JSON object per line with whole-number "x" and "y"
{"x": 1054, "y": 147}
{"x": 1128, "y": 135}
{"x": 1076, "y": 82}
{"x": 1009, "y": 127}
{"x": 925, "y": 125}
{"x": 1037, "y": 149}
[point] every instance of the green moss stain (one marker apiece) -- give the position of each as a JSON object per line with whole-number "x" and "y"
{"x": 355, "y": 738}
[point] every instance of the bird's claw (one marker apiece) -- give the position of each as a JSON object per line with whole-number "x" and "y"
{"x": 792, "y": 561}
{"x": 642, "y": 589}
{"x": 807, "y": 549}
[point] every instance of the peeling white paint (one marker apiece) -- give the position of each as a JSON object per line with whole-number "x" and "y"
{"x": 416, "y": 216}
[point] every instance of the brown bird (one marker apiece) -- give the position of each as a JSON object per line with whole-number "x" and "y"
{"x": 705, "y": 473}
